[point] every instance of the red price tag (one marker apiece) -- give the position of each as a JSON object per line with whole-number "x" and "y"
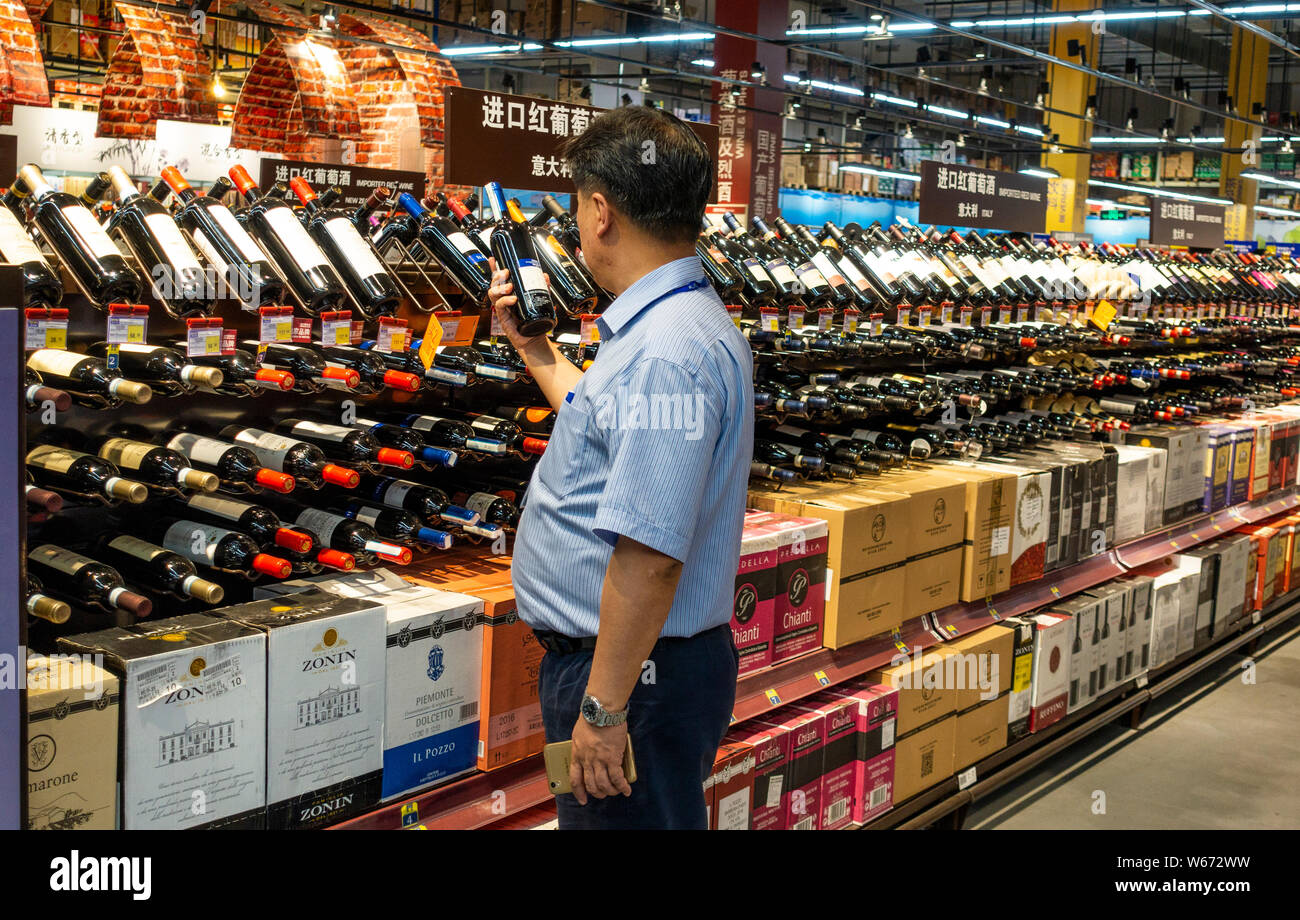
{"x": 589, "y": 332}
{"x": 392, "y": 337}
{"x": 336, "y": 327}
{"x": 825, "y": 317}
{"x": 302, "y": 328}
{"x": 228, "y": 337}
{"x": 275, "y": 324}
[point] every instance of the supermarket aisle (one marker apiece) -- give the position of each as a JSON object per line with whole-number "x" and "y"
{"x": 1217, "y": 754}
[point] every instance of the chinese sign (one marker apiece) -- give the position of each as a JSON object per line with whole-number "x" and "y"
{"x": 515, "y": 140}
{"x": 1186, "y": 223}
{"x": 357, "y": 182}
{"x": 953, "y": 195}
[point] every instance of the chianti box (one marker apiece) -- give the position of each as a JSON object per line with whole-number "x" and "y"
{"x": 434, "y": 664}
{"x": 771, "y": 751}
{"x": 807, "y": 737}
{"x": 193, "y": 724}
{"x": 1051, "y": 669}
{"x": 324, "y": 704}
{"x": 835, "y": 797}
{"x": 72, "y": 716}
{"x": 873, "y": 760}
{"x": 800, "y": 586}
{"x": 755, "y": 597}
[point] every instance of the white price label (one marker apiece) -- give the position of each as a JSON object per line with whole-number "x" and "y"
{"x": 794, "y": 319}
{"x": 124, "y": 330}
{"x": 966, "y": 778}
{"x": 276, "y": 329}
{"x": 771, "y": 321}
{"x": 337, "y": 331}
{"x": 391, "y": 338}
{"x": 203, "y": 340}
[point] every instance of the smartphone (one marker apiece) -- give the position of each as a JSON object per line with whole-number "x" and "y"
{"x": 557, "y": 757}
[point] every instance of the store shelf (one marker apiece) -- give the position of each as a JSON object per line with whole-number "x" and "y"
{"x": 947, "y": 799}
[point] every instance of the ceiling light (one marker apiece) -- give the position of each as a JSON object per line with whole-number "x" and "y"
{"x": 875, "y": 171}
{"x": 1107, "y": 203}
{"x": 470, "y": 50}
{"x": 895, "y": 100}
{"x": 636, "y": 39}
{"x": 951, "y": 113}
{"x": 1163, "y": 192}
{"x": 218, "y": 88}
{"x": 1042, "y": 172}
{"x": 1270, "y": 180}
{"x": 702, "y": 62}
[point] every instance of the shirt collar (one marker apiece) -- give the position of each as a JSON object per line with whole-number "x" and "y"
{"x": 646, "y": 290}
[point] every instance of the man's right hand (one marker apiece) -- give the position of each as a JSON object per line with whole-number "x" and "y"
{"x": 502, "y": 298}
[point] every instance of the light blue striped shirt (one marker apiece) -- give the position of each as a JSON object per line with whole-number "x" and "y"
{"x": 654, "y": 444}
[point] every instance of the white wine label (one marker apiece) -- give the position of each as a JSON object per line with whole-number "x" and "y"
{"x": 480, "y": 502}
{"x": 424, "y": 422}
{"x": 294, "y": 237}
{"x": 811, "y": 276}
{"x": 828, "y": 269}
{"x": 467, "y": 247}
{"x": 367, "y": 515}
{"x": 91, "y": 233}
{"x": 397, "y": 491}
{"x": 484, "y": 424}
{"x": 169, "y": 237}
{"x": 270, "y": 448}
{"x": 322, "y": 523}
{"x": 61, "y": 560}
{"x": 353, "y": 247}
{"x": 54, "y": 361}
{"x": 854, "y": 274}
{"x": 140, "y": 549}
{"x": 124, "y": 452}
{"x": 485, "y": 236}
{"x": 194, "y": 541}
{"x": 788, "y": 430}
{"x": 781, "y": 272}
{"x": 329, "y": 432}
{"x": 755, "y": 268}
{"x": 198, "y": 448}
{"x": 227, "y": 508}
{"x": 15, "y": 245}
{"x": 530, "y": 276}
{"x": 54, "y": 459}
{"x": 209, "y": 251}
{"x": 246, "y": 245}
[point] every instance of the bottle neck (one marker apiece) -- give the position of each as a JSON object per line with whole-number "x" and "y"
{"x": 123, "y": 187}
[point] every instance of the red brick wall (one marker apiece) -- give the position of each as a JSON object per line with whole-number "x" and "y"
{"x": 157, "y": 71}
{"x": 22, "y": 70}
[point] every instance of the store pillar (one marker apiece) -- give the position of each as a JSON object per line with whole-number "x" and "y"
{"x": 1068, "y": 93}
{"x": 1247, "y": 79}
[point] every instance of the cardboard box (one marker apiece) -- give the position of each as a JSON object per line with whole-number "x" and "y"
{"x": 873, "y": 764}
{"x": 1133, "y": 487}
{"x": 1137, "y": 635}
{"x": 1051, "y": 669}
{"x": 1221, "y": 441}
{"x": 1112, "y": 622}
{"x": 193, "y": 720}
{"x": 986, "y": 541}
{"x": 1243, "y": 448}
{"x": 800, "y": 604}
{"x": 771, "y": 788}
{"x": 866, "y": 556}
{"x": 807, "y": 738}
{"x": 1166, "y": 598}
{"x": 1185, "y": 469}
{"x": 434, "y": 674}
{"x": 839, "y": 750}
{"x": 755, "y": 598}
{"x": 978, "y": 667}
{"x": 1235, "y": 581}
{"x": 980, "y": 732}
{"x": 1204, "y": 560}
{"x": 1268, "y": 563}
{"x": 1020, "y": 693}
{"x": 923, "y": 694}
{"x": 510, "y": 726}
{"x": 924, "y": 758}
{"x": 1292, "y": 574}
{"x": 325, "y": 689}
{"x": 1029, "y": 523}
{"x": 72, "y": 744}
{"x": 1083, "y": 613}
{"x": 1286, "y": 535}
{"x": 935, "y": 523}
{"x": 732, "y": 783}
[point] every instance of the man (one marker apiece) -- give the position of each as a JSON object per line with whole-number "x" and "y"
{"x": 626, "y": 554}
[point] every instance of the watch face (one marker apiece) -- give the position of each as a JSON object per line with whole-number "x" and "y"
{"x": 590, "y": 709}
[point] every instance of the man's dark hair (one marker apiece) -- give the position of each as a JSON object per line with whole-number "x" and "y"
{"x": 650, "y": 165}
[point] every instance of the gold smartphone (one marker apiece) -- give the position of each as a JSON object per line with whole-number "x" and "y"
{"x": 557, "y": 757}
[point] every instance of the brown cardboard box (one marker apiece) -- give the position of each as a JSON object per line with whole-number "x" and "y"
{"x": 923, "y": 694}
{"x": 510, "y": 720}
{"x": 935, "y": 524}
{"x": 986, "y": 544}
{"x": 72, "y": 736}
{"x": 980, "y": 732}
{"x": 924, "y": 758}
{"x": 866, "y": 554}
{"x": 461, "y": 569}
{"x": 989, "y": 664}
{"x": 730, "y": 787}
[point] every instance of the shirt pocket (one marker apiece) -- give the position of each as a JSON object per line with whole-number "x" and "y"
{"x": 561, "y": 465}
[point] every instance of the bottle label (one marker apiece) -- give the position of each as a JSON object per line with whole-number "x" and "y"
{"x": 270, "y": 448}
{"x": 356, "y": 250}
{"x": 755, "y": 268}
{"x": 61, "y": 560}
{"x": 173, "y": 245}
{"x": 788, "y": 430}
{"x": 227, "y": 508}
{"x": 531, "y": 277}
{"x": 294, "y": 237}
{"x": 140, "y": 549}
{"x": 209, "y": 251}
{"x": 855, "y": 274}
{"x": 424, "y": 422}
{"x": 54, "y": 459}
{"x": 781, "y": 272}
{"x": 466, "y": 246}
{"x": 396, "y": 491}
{"x": 91, "y": 233}
{"x": 485, "y": 236}
{"x": 198, "y": 448}
{"x": 246, "y": 245}
{"x": 322, "y": 523}
{"x": 15, "y": 245}
{"x": 483, "y": 423}
{"x": 480, "y": 502}
{"x": 54, "y": 361}
{"x": 828, "y": 269}
{"x": 811, "y": 276}
{"x": 124, "y": 452}
{"x": 366, "y": 515}
{"x": 194, "y": 541}
{"x": 335, "y": 433}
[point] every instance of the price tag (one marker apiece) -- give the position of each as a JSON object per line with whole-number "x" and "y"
{"x": 1142, "y": 680}
{"x": 966, "y": 314}
{"x": 358, "y": 332}
{"x": 1200, "y": 311}
{"x": 336, "y": 327}
{"x": 1056, "y": 592}
{"x": 47, "y": 328}
{"x": 877, "y": 323}
{"x": 127, "y": 324}
{"x": 392, "y": 337}
{"x": 458, "y": 329}
{"x": 1072, "y": 314}
{"x": 794, "y": 319}
{"x": 275, "y": 324}
{"x": 986, "y": 315}
{"x": 966, "y": 778}
{"x": 772, "y": 697}
{"x": 923, "y": 316}
{"x": 1256, "y": 617}
{"x": 898, "y": 641}
{"x": 1022, "y": 313}
{"x": 203, "y": 337}
{"x": 769, "y": 320}
{"x": 945, "y": 313}
{"x": 589, "y": 332}
{"x": 735, "y": 311}
{"x": 228, "y": 337}
{"x": 410, "y": 813}
{"x": 825, "y": 317}
{"x": 1104, "y": 315}
{"x": 302, "y": 328}
{"x": 1043, "y": 313}
{"x": 904, "y": 315}
{"x": 993, "y": 612}
{"x": 1004, "y": 315}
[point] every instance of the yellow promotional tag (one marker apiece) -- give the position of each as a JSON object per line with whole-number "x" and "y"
{"x": 135, "y": 333}
{"x": 821, "y": 677}
{"x": 772, "y": 697}
{"x": 1103, "y": 315}
{"x": 343, "y": 334}
{"x": 399, "y": 340}
{"x": 432, "y": 339}
{"x": 56, "y": 336}
{"x": 284, "y": 330}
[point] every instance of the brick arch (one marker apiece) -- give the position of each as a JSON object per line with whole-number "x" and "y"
{"x": 22, "y": 69}
{"x": 157, "y": 71}
{"x": 297, "y": 93}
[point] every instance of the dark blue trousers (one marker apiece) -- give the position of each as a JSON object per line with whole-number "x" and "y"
{"x": 677, "y": 716}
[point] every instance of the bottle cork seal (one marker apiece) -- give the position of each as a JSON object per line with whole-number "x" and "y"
{"x": 275, "y": 480}
{"x": 389, "y": 456}
{"x": 128, "y": 490}
{"x": 336, "y": 559}
{"x": 209, "y": 376}
{"x": 208, "y": 591}
{"x": 134, "y": 603}
{"x": 341, "y": 476}
{"x": 283, "y": 379}
{"x": 272, "y": 565}
{"x": 401, "y": 380}
{"x": 204, "y": 482}
{"x": 293, "y": 540}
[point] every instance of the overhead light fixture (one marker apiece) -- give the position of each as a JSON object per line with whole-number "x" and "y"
{"x": 895, "y": 100}
{"x": 218, "y": 88}
{"x": 990, "y": 120}
{"x": 807, "y": 145}
{"x": 907, "y": 132}
{"x": 702, "y": 62}
{"x": 961, "y": 140}
{"x": 644, "y": 86}
{"x": 1266, "y": 179}
{"x": 664, "y": 38}
{"x": 474, "y": 50}
{"x": 950, "y": 113}
{"x": 758, "y": 72}
{"x": 1043, "y": 89}
{"x": 1161, "y": 192}
{"x": 1280, "y": 212}
{"x": 876, "y": 171}
{"x": 1042, "y": 172}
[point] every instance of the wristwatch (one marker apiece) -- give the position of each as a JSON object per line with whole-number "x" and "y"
{"x": 598, "y": 715}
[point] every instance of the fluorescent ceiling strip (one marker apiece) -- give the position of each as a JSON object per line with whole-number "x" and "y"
{"x": 702, "y": 62}
{"x": 1270, "y": 180}
{"x": 1040, "y": 173}
{"x": 1025, "y": 129}
{"x": 996, "y": 122}
{"x": 895, "y": 100}
{"x": 1281, "y": 211}
{"x": 468, "y": 50}
{"x": 951, "y": 113}
{"x": 636, "y": 39}
{"x": 885, "y": 173}
{"x": 836, "y": 87}
{"x": 1161, "y": 192}
{"x": 1107, "y": 203}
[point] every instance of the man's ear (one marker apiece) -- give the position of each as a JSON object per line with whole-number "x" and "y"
{"x": 604, "y": 215}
